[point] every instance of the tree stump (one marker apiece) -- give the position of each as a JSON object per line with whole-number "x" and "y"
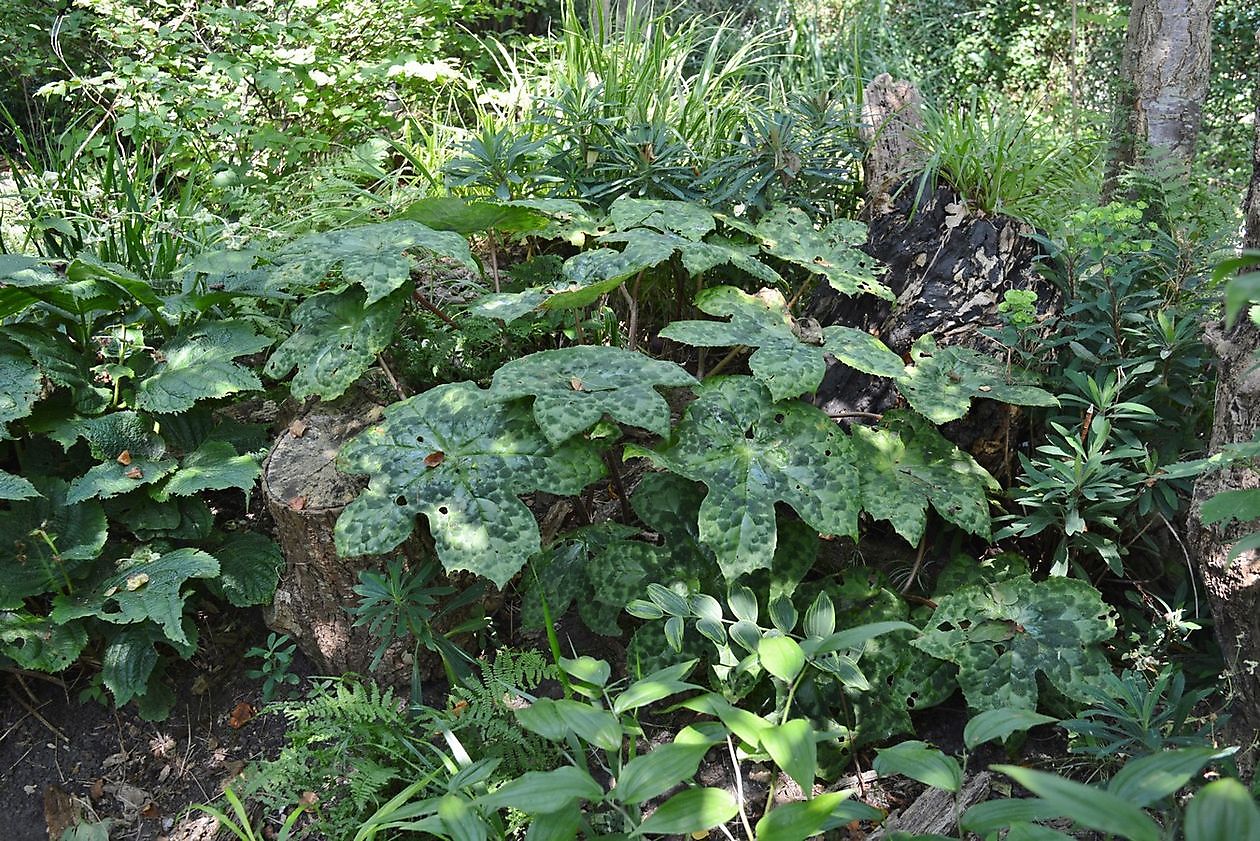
{"x": 305, "y": 494}
{"x": 892, "y": 111}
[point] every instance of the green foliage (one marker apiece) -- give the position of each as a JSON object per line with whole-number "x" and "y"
{"x": 790, "y": 235}
{"x": 197, "y": 365}
{"x": 274, "y": 663}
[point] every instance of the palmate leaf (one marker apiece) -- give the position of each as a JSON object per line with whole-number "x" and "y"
{"x": 587, "y": 276}
{"x": 789, "y": 234}
{"x": 198, "y": 366}
{"x": 20, "y": 385}
{"x": 1001, "y": 635}
{"x": 688, "y": 220}
{"x": 460, "y": 457}
{"x": 942, "y": 381}
{"x": 752, "y": 453}
{"x": 465, "y": 216}
{"x": 575, "y": 387}
{"x": 372, "y": 256}
{"x": 142, "y": 588}
{"x": 337, "y": 339}
{"x": 44, "y": 541}
{"x": 214, "y": 466}
{"x": 907, "y": 465}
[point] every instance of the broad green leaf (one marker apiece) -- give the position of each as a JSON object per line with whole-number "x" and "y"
{"x": 459, "y": 820}
{"x": 655, "y": 687}
{"x": 1148, "y": 779}
{"x": 555, "y": 720}
{"x": 586, "y": 669}
{"x": 919, "y": 762}
{"x": 142, "y": 589}
{"x": 995, "y": 815}
{"x": 575, "y": 387}
{"x": 597, "y": 567}
{"x": 657, "y": 771}
{"x": 907, "y": 465}
{"x": 752, "y": 453}
{"x": 372, "y": 256}
{"x": 337, "y": 339}
{"x": 745, "y": 725}
{"x": 1088, "y": 806}
{"x": 669, "y": 505}
{"x": 1242, "y": 506}
{"x": 792, "y": 747}
{"x": 20, "y": 384}
{"x": 942, "y": 381}
{"x": 214, "y": 466}
{"x": 788, "y": 367}
{"x": 37, "y": 642}
{"x": 1223, "y": 811}
{"x": 249, "y": 568}
{"x": 470, "y": 216}
{"x": 690, "y": 811}
{"x": 46, "y": 541}
{"x": 15, "y": 487}
{"x": 781, "y": 657}
{"x": 131, "y": 455}
{"x": 700, "y": 257}
{"x": 1000, "y": 723}
{"x": 587, "y": 276}
{"x": 798, "y": 821}
{"x": 85, "y": 267}
{"x": 690, "y": 221}
{"x": 198, "y": 366}
{"x": 789, "y": 234}
{"x": 508, "y": 306}
{"x": 460, "y": 457}
{"x": 855, "y": 638}
{"x": 128, "y": 662}
{"x": 1001, "y": 635}
{"x": 62, "y": 363}
{"x": 862, "y": 352}
{"x": 543, "y": 792}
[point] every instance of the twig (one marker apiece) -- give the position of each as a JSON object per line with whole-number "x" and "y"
{"x": 420, "y": 299}
{"x": 739, "y": 788}
{"x": 726, "y": 360}
{"x": 37, "y": 715}
{"x": 494, "y": 260}
{"x": 842, "y": 415}
{"x": 1194, "y": 588}
{"x": 618, "y": 486}
{"x": 918, "y": 564}
{"x": 389, "y": 375}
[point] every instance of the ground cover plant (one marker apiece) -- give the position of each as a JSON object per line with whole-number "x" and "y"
{"x": 551, "y": 293}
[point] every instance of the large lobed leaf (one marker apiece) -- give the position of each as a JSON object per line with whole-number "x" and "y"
{"x": 459, "y": 456}
{"x": 753, "y": 453}
{"x": 198, "y": 366}
{"x": 789, "y": 234}
{"x": 942, "y": 381}
{"x": 574, "y": 387}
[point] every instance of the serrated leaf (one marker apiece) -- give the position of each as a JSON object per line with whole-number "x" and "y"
{"x": 907, "y": 465}
{"x": 128, "y": 662}
{"x": 61, "y": 363}
{"x": 493, "y": 452}
{"x": 214, "y": 466}
{"x": 45, "y": 540}
{"x": 337, "y": 339}
{"x": 36, "y": 642}
{"x": 789, "y": 234}
{"x": 159, "y": 598}
{"x": 752, "y": 453}
{"x": 612, "y": 381}
{"x": 15, "y": 487}
{"x": 372, "y": 256}
{"x": 199, "y": 366}
{"x": 688, "y": 220}
{"x": 249, "y": 568}
{"x": 941, "y": 382}
{"x": 1002, "y": 634}
{"x": 20, "y": 385}
{"x": 785, "y": 365}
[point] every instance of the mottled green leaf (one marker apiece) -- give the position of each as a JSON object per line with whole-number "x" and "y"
{"x": 587, "y": 276}
{"x": 690, "y": 221}
{"x": 20, "y": 384}
{"x": 508, "y": 306}
{"x": 789, "y": 234}
{"x": 752, "y": 453}
{"x": 863, "y": 352}
{"x": 460, "y": 457}
{"x": 942, "y": 381}
{"x": 198, "y": 366}
{"x": 574, "y": 387}
{"x": 249, "y": 568}
{"x": 470, "y": 216}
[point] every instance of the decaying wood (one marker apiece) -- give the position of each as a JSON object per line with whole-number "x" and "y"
{"x": 936, "y": 812}
{"x": 892, "y": 110}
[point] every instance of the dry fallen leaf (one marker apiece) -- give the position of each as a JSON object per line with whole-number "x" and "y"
{"x": 241, "y": 713}
{"x": 297, "y": 503}
{"x": 308, "y": 798}
{"x": 298, "y": 428}
{"x": 97, "y": 791}
{"x": 135, "y": 582}
{"x": 124, "y": 458}
{"x": 134, "y": 473}
{"x": 434, "y": 459}
{"x": 576, "y": 384}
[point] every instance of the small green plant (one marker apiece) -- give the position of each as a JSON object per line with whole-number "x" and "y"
{"x": 275, "y": 661}
{"x": 240, "y": 825}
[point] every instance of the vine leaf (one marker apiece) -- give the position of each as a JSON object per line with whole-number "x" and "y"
{"x": 942, "y": 381}
{"x": 492, "y": 451}
{"x": 789, "y": 234}
{"x": 372, "y": 256}
{"x": 337, "y": 339}
{"x": 20, "y": 385}
{"x": 575, "y": 387}
{"x": 752, "y": 453}
{"x": 1002, "y": 634}
{"x": 762, "y": 321}
{"x": 142, "y": 588}
{"x": 198, "y": 365}
{"x": 214, "y": 466}
{"x": 908, "y": 465}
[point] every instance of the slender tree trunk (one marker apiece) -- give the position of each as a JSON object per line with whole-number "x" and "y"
{"x": 1233, "y": 587}
{"x": 1164, "y": 79}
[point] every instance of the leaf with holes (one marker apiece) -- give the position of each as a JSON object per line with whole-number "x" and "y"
{"x": 142, "y": 588}
{"x": 37, "y": 642}
{"x": 587, "y": 276}
{"x": 198, "y": 366}
{"x": 214, "y": 466}
{"x": 753, "y": 453}
{"x": 942, "y": 381}
{"x": 337, "y": 339}
{"x": 575, "y": 387}
{"x": 688, "y": 220}
{"x": 908, "y": 465}
{"x": 1001, "y": 635}
{"x": 372, "y": 256}
{"x": 45, "y": 541}
{"x": 493, "y": 453}
{"x": 789, "y": 234}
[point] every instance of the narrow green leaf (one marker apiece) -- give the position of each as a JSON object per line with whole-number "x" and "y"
{"x": 1090, "y": 807}
{"x": 919, "y": 762}
{"x": 690, "y": 811}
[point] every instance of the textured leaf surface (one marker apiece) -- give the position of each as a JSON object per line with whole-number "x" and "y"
{"x": 214, "y": 466}
{"x": 1002, "y": 634}
{"x": 942, "y": 381}
{"x": 688, "y": 220}
{"x": 508, "y": 306}
{"x": 61, "y": 363}
{"x": 588, "y": 275}
{"x": 142, "y": 589}
{"x": 36, "y": 642}
{"x": 43, "y": 540}
{"x": 699, "y": 257}
{"x": 199, "y": 366}
{"x": 131, "y": 455}
{"x": 337, "y": 339}
{"x": 491, "y": 452}
{"x": 249, "y": 568}
{"x": 465, "y": 216}
{"x": 789, "y": 234}
{"x": 15, "y": 487}
{"x": 128, "y": 662}
{"x": 907, "y": 465}
{"x": 372, "y": 256}
{"x": 752, "y": 453}
{"x": 20, "y": 384}
{"x": 575, "y": 387}
{"x": 863, "y": 352}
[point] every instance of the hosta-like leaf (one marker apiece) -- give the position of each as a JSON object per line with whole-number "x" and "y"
{"x": 372, "y": 256}
{"x": 337, "y": 339}
{"x": 198, "y": 366}
{"x": 20, "y": 384}
{"x": 688, "y": 220}
{"x": 574, "y": 387}
{"x": 15, "y": 487}
{"x": 789, "y": 234}
{"x": 142, "y": 588}
{"x": 460, "y": 457}
{"x": 1002, "y": 634}
{"x": 752, "y": 453}
{"x": 45, "y": 541}
{"x": 37, "y": 642}
{"x": 587, "y": 276}
{"x": 907, "y": 465}
{"x": 942, "y": 381}
{"x": 214, "y": 466}
{"x": 249, "y": 568}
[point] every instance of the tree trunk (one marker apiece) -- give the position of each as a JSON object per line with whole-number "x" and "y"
{"x": 1233, "y": 588}
{"x": 1164, "y": 79}
{"x": 892, "y": 111}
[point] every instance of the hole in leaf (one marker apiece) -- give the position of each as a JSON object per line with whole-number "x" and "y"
{"x": 749, "y": 433}
{"x": 444, "y": 510}
{"x": 400, "y": 501}
{"x": 778, "y": 418}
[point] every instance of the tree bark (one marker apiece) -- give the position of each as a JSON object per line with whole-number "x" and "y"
{"x": 1233, "y": 587}
{"x": 1164, "y": 79}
